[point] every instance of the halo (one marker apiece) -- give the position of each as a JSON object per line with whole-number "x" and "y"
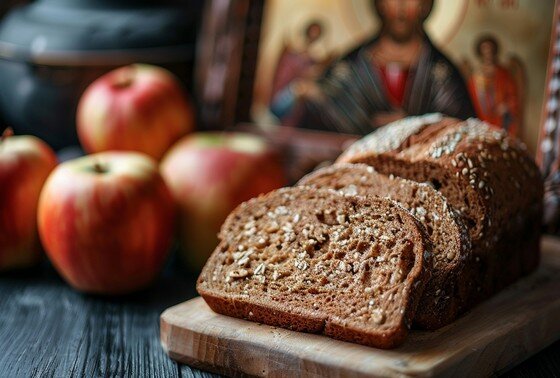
{"x": 442, "y": 25}
{"x": 445, "y": 20}
{"x": 358, "y": 21}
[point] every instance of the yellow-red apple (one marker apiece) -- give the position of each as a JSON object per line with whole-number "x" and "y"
{"x": 25, "y": 164}
{"x": 106, "y": 221}
{"x": 134, "y": 108}
{"x": 210, "y": 174}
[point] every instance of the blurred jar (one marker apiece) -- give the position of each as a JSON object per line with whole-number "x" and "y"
{"x": 51, "y": 50}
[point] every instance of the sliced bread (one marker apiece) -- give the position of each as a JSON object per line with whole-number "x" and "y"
{"x": 447, "y": 289}
{"x": 485, "y": 175}
{"x": 310, "y": 260}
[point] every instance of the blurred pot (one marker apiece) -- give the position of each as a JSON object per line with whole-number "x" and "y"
{"x": 51, "y": 50}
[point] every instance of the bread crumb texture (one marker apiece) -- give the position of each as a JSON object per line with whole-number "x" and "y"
{"x": 314, "y": 260}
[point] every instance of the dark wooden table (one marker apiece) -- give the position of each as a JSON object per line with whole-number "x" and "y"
{"x": 49, "y": 330}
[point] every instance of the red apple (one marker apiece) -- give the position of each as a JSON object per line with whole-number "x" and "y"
{"x": 210, "y": 174}
{"x": 135, "y": 108}
{"x": 106, "y": 221}
{"x": 25, "y": 164}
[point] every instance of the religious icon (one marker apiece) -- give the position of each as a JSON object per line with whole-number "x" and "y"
{"x": 296, "y": 66}
{"x": 374, "y": 84}
{"x": 351, "y": 66}
{"x": 399, "y": 72}
{"x": 495, "y": 88}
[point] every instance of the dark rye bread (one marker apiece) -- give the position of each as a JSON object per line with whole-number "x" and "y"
{"x": 486, "y": 175}
{"x": 310, "y": 260}
{"x": 447, "y": 289}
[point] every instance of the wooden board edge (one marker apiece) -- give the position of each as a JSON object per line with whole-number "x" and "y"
{"x": 498, "y": 355}
{"x": 169, "y": 332}
{"x": 502, "y": 347}
{"x": 461, "y": 366}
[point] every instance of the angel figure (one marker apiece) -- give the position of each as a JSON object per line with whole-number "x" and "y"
{"x": 495, "y": 88}
{"x": 295, "y": 68}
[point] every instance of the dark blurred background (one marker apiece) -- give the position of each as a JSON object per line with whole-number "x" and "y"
{"x": 51, "y": 50}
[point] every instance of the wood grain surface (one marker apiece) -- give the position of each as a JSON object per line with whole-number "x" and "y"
{"x": 49, "y": 330}
{"x": 493, "y": 337}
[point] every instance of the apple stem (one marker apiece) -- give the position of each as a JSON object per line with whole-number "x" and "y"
{"x": 8, "y": 132}
{"x": 125, "y": 79}
{"x": 98, "y": 167}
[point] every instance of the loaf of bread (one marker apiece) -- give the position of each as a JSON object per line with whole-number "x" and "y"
{"x": 447, "y": 289}
{"x": 484, "y": 174}
{"x": 312, "y": 260}
{"x": 354, "y": 262}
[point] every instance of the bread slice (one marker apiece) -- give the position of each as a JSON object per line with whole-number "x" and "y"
{"x": 486, "y": 175}
{"x": 447, "y": 289}
{"x": 316, "y": 261}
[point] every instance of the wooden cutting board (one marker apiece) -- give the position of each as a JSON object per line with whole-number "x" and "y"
{"x": 495, "y": 336}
